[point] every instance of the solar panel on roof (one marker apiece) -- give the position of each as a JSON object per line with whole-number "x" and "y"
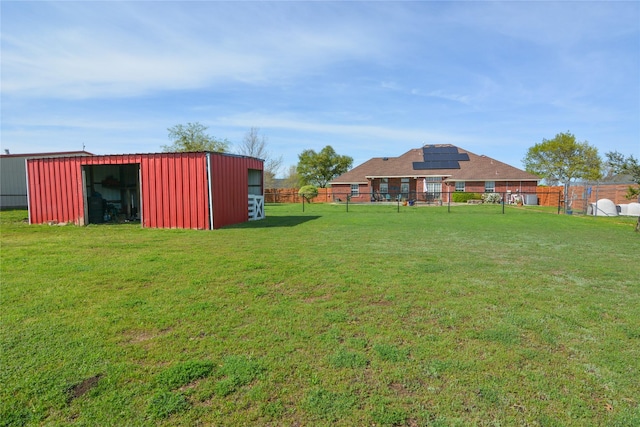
{"x": 438, "y": 164}
{"x": 432, "y": 149}
{"x": 440, "y": 158}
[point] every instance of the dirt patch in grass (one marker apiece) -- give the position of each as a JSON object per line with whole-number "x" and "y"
{"x": 314, "y": 299}
{"x": 83, "y": 387}
{"x": 400, "y": 389}
{"x": 135, "y": 337}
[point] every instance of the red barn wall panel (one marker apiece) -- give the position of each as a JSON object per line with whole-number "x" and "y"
{"x": 166, "y": 191}
{"x": 193, "y": 190}
{"x": 174, "y": 188}
{"x": 175, "y": 200}
{"x": 202, "y": 193}
{"x": 179, "y": 195}
{"x": 51, "y": 190}
{"x": 230, "y": 188}
{"x": 171, "y": 183}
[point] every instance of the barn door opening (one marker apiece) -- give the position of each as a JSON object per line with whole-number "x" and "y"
{"x": 112, "y": 193}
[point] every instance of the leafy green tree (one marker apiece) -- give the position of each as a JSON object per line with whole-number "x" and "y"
{"x": 562, "y": 160}
{"x": 192, "y": 137}
{"x": 620, "y": 164}
{"x": 309, "y": 192}
{"x": 320, "y": 168}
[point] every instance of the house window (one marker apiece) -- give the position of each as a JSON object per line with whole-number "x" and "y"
{"x": 355, "y": 190}
{"x": 489, "y": 186}
{"x": 460, "y": 186}
{"x": 384, "y": 185}
{"x": 433, "y": 187}
{"x": 404, "y": 187}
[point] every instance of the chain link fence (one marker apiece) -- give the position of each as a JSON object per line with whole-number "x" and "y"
{"x": 549, "y": 198}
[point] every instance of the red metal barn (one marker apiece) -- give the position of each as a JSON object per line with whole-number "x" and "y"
{"x": 201, "y": 190}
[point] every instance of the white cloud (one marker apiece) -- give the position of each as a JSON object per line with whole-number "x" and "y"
{"x": 92, "y": 57}
{"x": 318, "y": 73}
{"x": 350, "y": 131}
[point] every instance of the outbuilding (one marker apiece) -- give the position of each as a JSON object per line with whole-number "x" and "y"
{"x": 201, "y": 190}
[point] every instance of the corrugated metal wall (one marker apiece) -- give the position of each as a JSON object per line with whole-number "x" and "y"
{"x": 13, "y": 186}
{"x": 230, "y": 187}
{"x": 13, "y": 182}
{"x": 174, "y": 190}
{"x": 55, "y": 190}
{"x": 173, "y": 186}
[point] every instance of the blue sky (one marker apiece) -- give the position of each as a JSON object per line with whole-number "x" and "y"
{"x": 371, "y": 79}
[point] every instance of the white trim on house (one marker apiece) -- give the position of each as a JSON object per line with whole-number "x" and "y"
{"x": 487, "y": 179}
{"x": 351, "y": 182}
{"x": 405, "y": 176}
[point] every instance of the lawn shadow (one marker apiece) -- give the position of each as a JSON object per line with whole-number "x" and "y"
{"x": 275, "y": 221}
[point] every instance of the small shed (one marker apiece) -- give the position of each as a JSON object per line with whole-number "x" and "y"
{"x": 201, "y": 190}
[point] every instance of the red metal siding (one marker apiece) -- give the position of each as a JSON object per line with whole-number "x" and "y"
{"x": 174, "y": 188}
{"x": 53, "y": 190}
{"x": 230, "y": 188}
{"x": 169, "y": 200}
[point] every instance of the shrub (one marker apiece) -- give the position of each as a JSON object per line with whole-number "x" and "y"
{"x": 308, "y": 192}
{"x": 491, "y": 198}
{"x": 464, "y": 197}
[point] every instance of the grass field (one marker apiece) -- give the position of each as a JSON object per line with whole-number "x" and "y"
{"x": 324, "y": 317}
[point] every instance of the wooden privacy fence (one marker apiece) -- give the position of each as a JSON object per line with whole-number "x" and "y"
{"x": 581, "y": 195}
{"x": 547, "y": 196}
{"x": 290, "y": 195}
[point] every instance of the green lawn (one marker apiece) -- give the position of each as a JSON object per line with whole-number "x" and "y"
{"x": 324, "y": 317}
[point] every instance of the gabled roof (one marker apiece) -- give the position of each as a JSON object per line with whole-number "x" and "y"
{"x": 445, "y": 160}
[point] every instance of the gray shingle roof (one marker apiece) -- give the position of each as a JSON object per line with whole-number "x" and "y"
{"x": 478, "y": 168}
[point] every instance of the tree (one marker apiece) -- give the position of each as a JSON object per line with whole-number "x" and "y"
{"x": 563, "y": 159}
{"x": 255, "y": 145}
{"x": 192, "y": 137}
{"x": 320, "y": 168}
{"x": 309, "y": 192}
{"x": 620, "y": 164}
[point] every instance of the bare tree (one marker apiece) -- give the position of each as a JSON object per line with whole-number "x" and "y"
{"x": 292, "y": 179}
{"x": 255, "y": 145}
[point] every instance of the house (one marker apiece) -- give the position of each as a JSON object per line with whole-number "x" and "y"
{"x": 431, "y": 173}
{"x": 13, "y": 173}
{"x": 200, "y": 190}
